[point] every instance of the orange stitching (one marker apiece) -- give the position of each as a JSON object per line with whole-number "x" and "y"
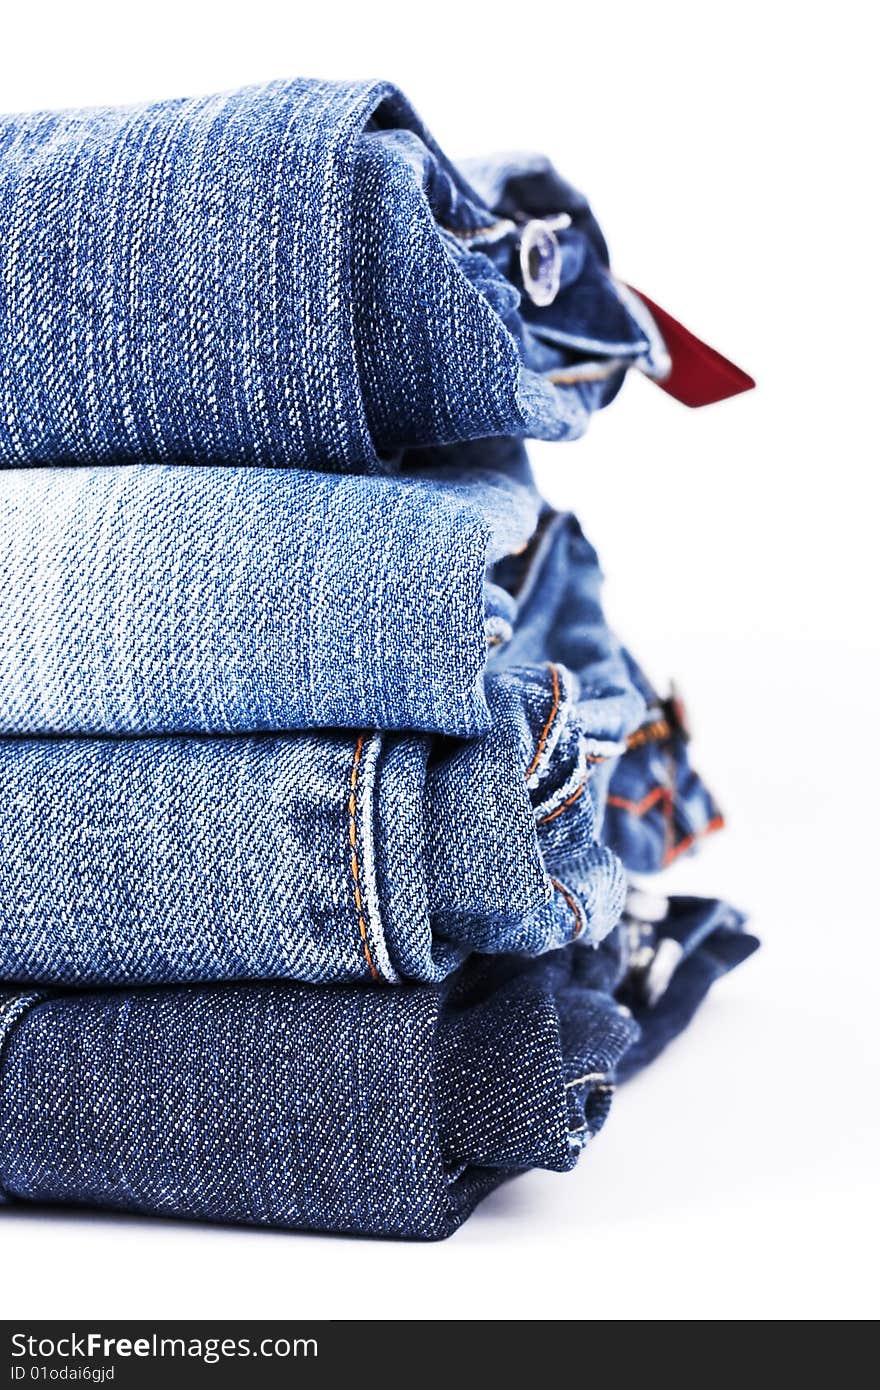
{"x": 545, "y": 732}
{"x": 669, "y": 808}
{"x": 579, "y": 926}
{"x": 573, "y": 376}
{"x": 638, "y": 808}
{"x": 649, "y": 733}
{"x": 355, "y": 866}
{"x": 664, "y": 794}
{"x": 565, "y": 805}
{"x": 716, "y": 823}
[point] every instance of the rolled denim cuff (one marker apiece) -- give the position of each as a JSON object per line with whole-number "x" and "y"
{"x": 290, "y": 275}
{"x": 313, "y": 856}
{"x": 338, "y": 1109}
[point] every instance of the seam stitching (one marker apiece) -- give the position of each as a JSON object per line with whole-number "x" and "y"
{"x": 638, "y": 808}
{"x": 503, "y": 224}
{"x": 545, "y": 732}
{"x": 576, "y": 376}
{"x": 578, "y": 919}
{"x": 587, "y": 1077}
{"x": 655, "y": 732}
{"x": 716, "y": 823}
{"x": 355, "y": 862}
{"x": 672, "y": 848}
{"x": 569, "y": 801}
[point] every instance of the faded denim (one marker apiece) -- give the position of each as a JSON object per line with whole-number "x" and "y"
{"x": 291, "y": 275}
{"x": 320, "y": 855}
{"x": 322, "y": 776}
{"x": 163, "y": 600}
{"x": 334, "y": 855}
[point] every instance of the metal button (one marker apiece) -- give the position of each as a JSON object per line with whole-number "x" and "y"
{"x": 540, "y": 262}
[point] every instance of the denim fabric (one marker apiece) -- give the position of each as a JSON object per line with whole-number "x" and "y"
{"x": 657, "y": 808}
{"x": 675, "y": 949}
{"x": 333, "y": 855}
{"x": 321, "y": 772}
{"x": 314, "y": 857}
{"x": 336, "y": 856}
{"x": 161, "y": 599}
{"x": 382, "y": 1112}
{"x": 288, "y": 275}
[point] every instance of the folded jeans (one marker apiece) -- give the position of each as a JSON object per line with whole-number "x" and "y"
{"x": 322, "y": 855}
{"x": 292, "y": 274}
{"x": 154, "y": 599}
{"x": 341, "y": 1108}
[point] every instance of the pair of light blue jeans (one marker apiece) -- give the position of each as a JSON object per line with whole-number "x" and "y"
{"x": 291, "y": 275}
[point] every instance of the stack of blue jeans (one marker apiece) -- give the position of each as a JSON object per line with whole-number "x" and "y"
{"x": 321, "y": 773}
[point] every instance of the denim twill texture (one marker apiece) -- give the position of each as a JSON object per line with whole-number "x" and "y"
{"x": 334, "y": 856}
{"x": 358, "y": 1110}
{"x": 292, "y": 274}
{"x": 343, "y": 856}
{"x": 322, "y": 775}
{"x": 160, "y": 599}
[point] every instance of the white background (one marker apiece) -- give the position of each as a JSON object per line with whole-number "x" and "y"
{"x": 730, "y": 153}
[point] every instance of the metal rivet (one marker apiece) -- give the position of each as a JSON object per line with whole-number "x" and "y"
{"x": 540, "y": 262}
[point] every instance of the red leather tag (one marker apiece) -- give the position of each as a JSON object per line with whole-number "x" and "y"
{"x": 699, "y": 375}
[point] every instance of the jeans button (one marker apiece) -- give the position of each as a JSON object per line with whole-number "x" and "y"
{"x": 540, "y": 262}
